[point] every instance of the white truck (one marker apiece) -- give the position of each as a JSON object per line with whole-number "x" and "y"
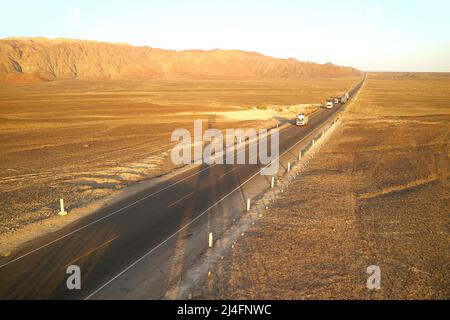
{"x": 345, "y": 98}
{"x": 329, "y": 105}
{"x": 302, "y": 120}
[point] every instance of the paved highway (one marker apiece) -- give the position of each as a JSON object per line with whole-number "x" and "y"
{"x": 116, "y": 238}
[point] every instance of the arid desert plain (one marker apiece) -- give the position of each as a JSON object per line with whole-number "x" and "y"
{"x": 378, "y": 192}
{"x": 85, "y": 140}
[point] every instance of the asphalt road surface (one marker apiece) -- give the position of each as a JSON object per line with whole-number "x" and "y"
{"x": 108, "y": 243}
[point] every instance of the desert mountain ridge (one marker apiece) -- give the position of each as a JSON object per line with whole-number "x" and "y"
{"x": 29, "y": 60}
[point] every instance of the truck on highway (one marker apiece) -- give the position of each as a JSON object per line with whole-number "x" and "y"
{"x": 302, "y": 120}
{"x": 329, "y": 105}
{"x": 345, "y": 98}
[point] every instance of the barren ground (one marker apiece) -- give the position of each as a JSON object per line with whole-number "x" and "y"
{"x": 376, "y": 194}
{"x": 82, "y": 141}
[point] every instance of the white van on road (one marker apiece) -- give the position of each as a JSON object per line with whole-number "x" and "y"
{"x": 302, "y": 120}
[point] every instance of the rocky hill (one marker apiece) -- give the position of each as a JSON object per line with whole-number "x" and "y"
{"x": 28, "y": 60}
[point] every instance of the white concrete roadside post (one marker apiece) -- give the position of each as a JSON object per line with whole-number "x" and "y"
{"x": 300, "y": 155}
{"x": 210, "y": 240}
{"x": 289, "y": 167}
{"x": 63, "y": 212}
{"x": 248, "y": 205}
{"x": 272, "y": 184}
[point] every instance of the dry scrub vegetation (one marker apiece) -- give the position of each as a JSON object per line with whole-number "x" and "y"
{"x": 377, "y": 194}
{"x": 84, "y": 140}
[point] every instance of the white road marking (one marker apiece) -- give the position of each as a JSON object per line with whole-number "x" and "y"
{"x": 91, "y": 251}
{"x": 227, "y": 173}
{"x": 178, "y": 201}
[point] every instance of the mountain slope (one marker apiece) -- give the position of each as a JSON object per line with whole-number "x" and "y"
{"x": 25, "y": 60}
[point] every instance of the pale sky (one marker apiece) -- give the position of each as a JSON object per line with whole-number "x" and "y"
{"x": 385, "y": 35}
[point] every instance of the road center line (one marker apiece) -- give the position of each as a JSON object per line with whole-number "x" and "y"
{"x": 90, "y": 252}
{"x": 227, "y": 173}
{"x": 178, "y": 201}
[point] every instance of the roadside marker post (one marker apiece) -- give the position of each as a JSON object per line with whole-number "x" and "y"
{"x": 210, "y": 240}
{"x": 248, "y": 205}
{"x": 63, "y": 212}
{"x": 272, "y": 184}
{"x": 289, "y": 167}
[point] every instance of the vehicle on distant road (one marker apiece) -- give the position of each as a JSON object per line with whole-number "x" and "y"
{"x": 345, "y": 98}
{"x": 302, "y": 120}
{"x": 329, "y": 105}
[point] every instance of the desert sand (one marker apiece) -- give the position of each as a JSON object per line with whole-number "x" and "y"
{"x": 376, "y": 194}
{"x": 86, "y": 140}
